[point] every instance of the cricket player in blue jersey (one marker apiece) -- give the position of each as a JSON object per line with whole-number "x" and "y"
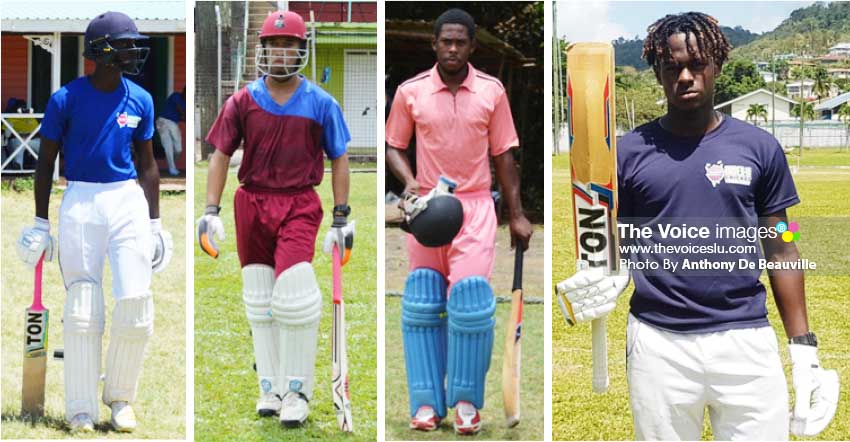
{"x": 696, "y": 339}
{"x": 110, "y": 208}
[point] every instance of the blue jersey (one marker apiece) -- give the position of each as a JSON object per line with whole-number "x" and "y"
{"x": 729, "y": 177}
{"x": 96, "y": 129}
{"x": 176, "y": 102}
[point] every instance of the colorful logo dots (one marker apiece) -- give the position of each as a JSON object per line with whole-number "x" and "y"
{"x": 790, "y": 232}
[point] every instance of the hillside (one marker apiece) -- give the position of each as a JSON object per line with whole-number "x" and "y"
{"x": 627, "y": 52}
{"x": 808, "y": 31}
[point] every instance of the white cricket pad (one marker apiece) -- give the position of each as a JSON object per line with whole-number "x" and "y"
{"x": 132, "y": 326}
{"x": 83, "y": 324}
{"x": 257, "y": 286}
{"x": 297, "y": 307}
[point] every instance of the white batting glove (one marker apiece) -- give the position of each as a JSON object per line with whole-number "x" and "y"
{"x": 590, "y": 294}
{"x": 210, "y": 226}
{"x": 34, "y": 241}
{"x": 163, "y": 246}
{"x": 816, "y": 391}
{"x": 343, "y": 237}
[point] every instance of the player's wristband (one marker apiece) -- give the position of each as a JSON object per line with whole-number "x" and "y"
{"x": 212, "y": 210}
{"x": 807, "y": 339}
{"x": 341, "y": 213}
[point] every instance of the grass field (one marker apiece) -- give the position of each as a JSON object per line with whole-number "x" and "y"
{"x": 492, "y": 415}
{"x": 225, "y": 382}
{"x": 161, "y": 403}
{"x": 579, "y": 414}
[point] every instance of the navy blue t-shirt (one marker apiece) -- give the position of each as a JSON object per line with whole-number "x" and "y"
{"x": 176, "y": 102}
{"x": 96, "y": 129}
{"x": 731, "y": 176}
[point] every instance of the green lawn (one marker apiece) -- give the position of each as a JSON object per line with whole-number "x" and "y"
{"x": 225, "y": 382}
{"x": 161, "y": 403}
{"x": 579, "y": 414}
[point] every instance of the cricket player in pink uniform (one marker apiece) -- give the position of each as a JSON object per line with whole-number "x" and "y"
{"x": 110, "y": 208}
{"x": 285, "y": 125}
{"x": 461, "y": 118}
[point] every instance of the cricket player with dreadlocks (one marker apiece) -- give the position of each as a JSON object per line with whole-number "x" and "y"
{"x": 461, "y": 118}
{"x": 285, "y": 125}
{"x": 110, "y": 208}
{"x": 704, "y": 341}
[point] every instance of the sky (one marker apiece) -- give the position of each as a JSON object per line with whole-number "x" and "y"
{"x": 608, "y": 20}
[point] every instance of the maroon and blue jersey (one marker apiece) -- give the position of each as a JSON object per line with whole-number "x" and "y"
{"x": 284, "y": 146}
{"x": 730, "y": 176}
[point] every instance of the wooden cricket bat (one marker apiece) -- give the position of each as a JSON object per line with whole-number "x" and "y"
{"x": 339, "y": 369}
{"x": 593, "y": 161}
{"x": 512, "y": 358}
{"x": 35, "y": 351}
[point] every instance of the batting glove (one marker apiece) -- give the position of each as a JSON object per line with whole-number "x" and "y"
{"x": 163, "y": 246}
{"x": 34, "y": 241}
{"x": 590, "y": 294}
{"x": 210, "y": 226}
{"x": 341, "y": 234}
{"x": 816, "y": 391}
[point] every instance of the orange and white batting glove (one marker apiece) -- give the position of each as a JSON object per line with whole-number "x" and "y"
{"x": 590, "y": 294}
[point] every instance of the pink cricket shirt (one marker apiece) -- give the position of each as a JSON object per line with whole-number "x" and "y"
{"x": 454, "y": 133}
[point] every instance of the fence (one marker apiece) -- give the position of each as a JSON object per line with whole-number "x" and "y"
{"x": 817, "y": 133}
{"x": 343, "y": 61}
{"x": 20, "y": 149}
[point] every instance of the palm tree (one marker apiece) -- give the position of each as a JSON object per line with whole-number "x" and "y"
{"x": 808, "y": 111}
{"x": 822, "y": 83}
{"x": 756, "y": 111}
{"x": 844, "y": 115}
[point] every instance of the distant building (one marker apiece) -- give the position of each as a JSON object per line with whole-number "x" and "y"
{"x": 767, "y": 76}
{"x": 828, "y": 110}
{"x": 737, "y": 107}
{"x": 840, "y": 49}
{"x": 839, "y": 73}
{"x": 832, "y": 59}
{"x": 793, "y": 89}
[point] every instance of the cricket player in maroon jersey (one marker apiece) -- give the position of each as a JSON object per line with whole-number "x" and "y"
{"x": 461, "y": 118}
{"x": 285, "y": 125}
{"x": 699, "y": 339}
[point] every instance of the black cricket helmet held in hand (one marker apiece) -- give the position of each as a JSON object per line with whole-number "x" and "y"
{"x": 439, "y": 222}
{"x": 111, "y": 40}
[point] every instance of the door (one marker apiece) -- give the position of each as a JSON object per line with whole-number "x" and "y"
{"x": 359, "y": 106}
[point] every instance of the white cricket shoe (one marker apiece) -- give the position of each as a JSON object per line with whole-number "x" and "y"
{"x": 81, "y": 423}
{"x": 467, "y": 419}
{"x": 294, "y": 409}
{"x": 268, "y": 404}
{"x": 123, "y": 418}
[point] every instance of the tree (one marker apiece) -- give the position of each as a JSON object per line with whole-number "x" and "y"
{"x": 737, "y": 78}
{"x": 756, "y": 111}
{"x": 808, "y": 111}
{"x": 822, "y": 83}
{"x": 844, "y": 115}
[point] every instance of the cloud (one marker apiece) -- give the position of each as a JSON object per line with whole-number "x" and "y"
{"x": 587, "y": 21}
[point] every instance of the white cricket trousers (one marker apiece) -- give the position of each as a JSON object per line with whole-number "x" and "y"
{"x": 106, "y": 219}
{"x": 736, "y": 374}
{"x": 172, "y": 141}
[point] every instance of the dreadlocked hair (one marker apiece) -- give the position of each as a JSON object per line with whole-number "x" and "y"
{"x": 711, "y": 43}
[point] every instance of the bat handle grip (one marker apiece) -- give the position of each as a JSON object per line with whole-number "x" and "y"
{"x": 36, "y": 295}
{"x": 337, "y": 275}
{"x": 518, "y": 267}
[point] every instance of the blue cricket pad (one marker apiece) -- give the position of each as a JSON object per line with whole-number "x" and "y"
{"x": 423, "y": 327}
{"x": 471, "y": 306}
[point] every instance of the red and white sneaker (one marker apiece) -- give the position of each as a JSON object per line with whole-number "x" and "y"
{"x": 426, "y": 419}
{"x": 467, "y": 419}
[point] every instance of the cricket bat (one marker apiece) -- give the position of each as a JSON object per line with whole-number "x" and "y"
{"x": 512, "y": 358}
{"x": 339, "y": 369}
{"x": 593, "y": 162}
{"x": 35, "y": 351}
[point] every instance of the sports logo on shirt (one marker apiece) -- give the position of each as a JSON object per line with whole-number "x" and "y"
{"x": 718, "y": 172}
{"x": 130, "y": 121}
